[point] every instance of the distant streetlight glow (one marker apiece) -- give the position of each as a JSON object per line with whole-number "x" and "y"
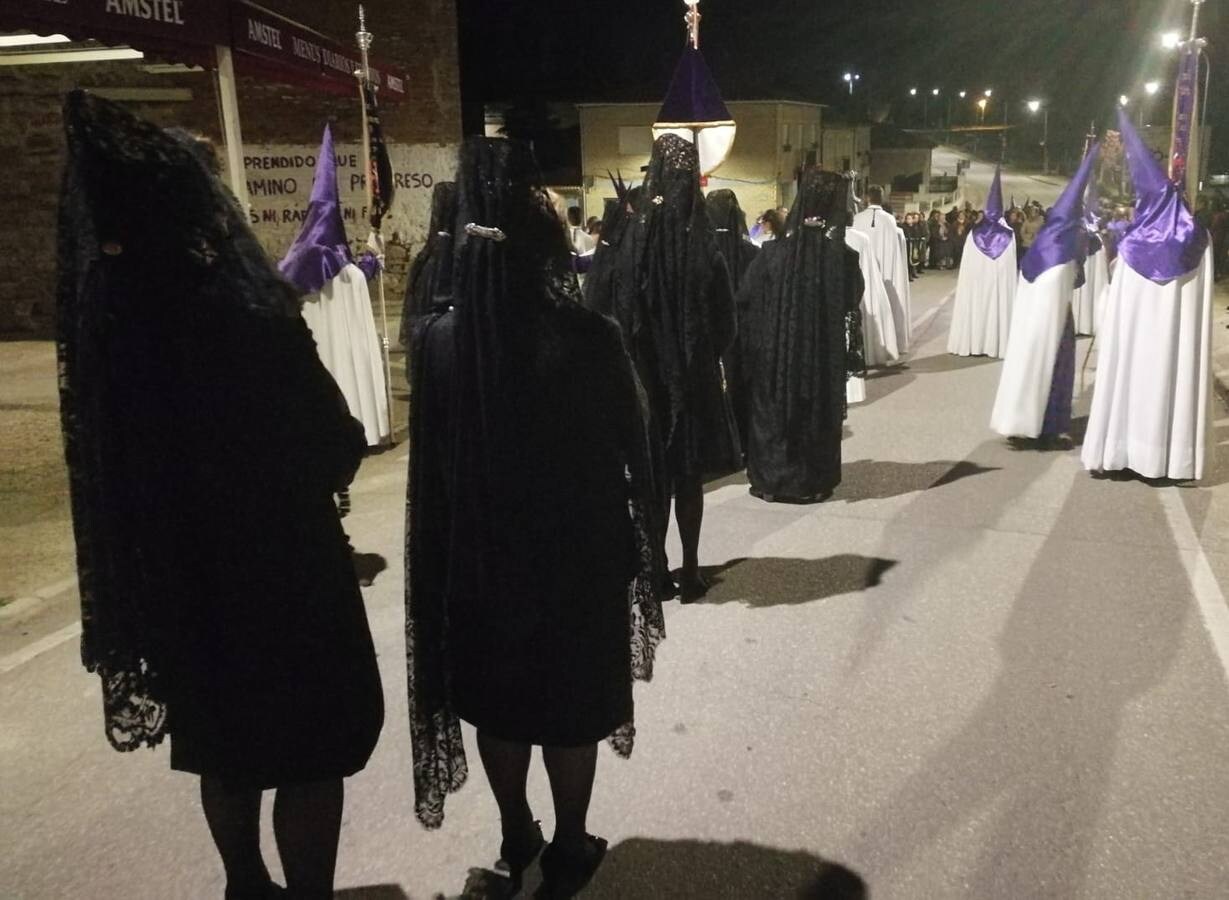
{"x": 1171, "y": 39}
{"x": 963, "y": 94}
{"x": 1152, "y": 87}
{"x": 850, "y": 78}
{"x": 1034, "y": 106}
{"x": 935, "y": 92}
{"x": 981, "y": 104}
{"x": 1124, "y": 100}
{"x": 989, "y": 92}
{"x": 912, "y": 92}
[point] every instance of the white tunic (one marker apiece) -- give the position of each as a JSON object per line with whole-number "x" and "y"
{"x": 878, "y": 323}
{"x": 981, "y": 315}
{"x": 1089, "y": 301}
{"x": 888, "y": 243}
{"x": 344, "y": 327}
{"x": 1151, "y": 404}
{"x": 1037, "y": 325}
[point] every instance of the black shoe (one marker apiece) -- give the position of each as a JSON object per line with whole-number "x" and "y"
{"x": 270, "y": 890}
{"x": 565, "y": 876}
{"x": 693, "y": 587}
{"x": 515, "y": 859}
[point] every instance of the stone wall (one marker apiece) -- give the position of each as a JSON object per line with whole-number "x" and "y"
{"x": 417, "y": 35}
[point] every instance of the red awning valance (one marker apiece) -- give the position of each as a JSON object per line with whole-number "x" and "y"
{"x": 278, "y": 45}
{"x": 267, "y": 45}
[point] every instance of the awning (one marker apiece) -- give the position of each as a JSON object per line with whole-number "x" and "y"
{"x": 274, "y": 47}
{"x": 266, "y": 45}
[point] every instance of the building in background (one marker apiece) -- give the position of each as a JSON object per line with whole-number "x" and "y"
{"x": 281, "y": 125}
{"x": 775, "y": 137}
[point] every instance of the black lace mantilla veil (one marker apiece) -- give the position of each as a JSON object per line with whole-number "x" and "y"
{"x": 803, "y": 339}
{"x": 429, "y": 283}
{"x": 485, "y": 478}
{"x": 148, "y": 239}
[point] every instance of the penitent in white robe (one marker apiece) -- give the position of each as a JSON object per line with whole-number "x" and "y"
{"x": 889, "y": 246}
{"x": 878, "y": 324}
{"x": 1038, "y": 320}
{"x": 343, "y": 325}
{"x": 1151, "y": 405}
{"x": 981, "y": 314}
{"x": 1089, "y": 301}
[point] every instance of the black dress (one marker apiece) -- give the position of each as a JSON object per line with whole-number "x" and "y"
{"x": 730, "y": 225}
{"x": 428, "y": 285}
{"x": 677, "y": 315}
{"x": 532, "y": 563}
{"x": 204, "y": 442}
{"x": 803, "y": 296}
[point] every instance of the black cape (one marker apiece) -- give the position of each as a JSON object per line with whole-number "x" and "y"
{"x": 428, "y": 286}
{"x": 802, "y": 298}
{"x": 204, "y": 442}
{"x": 730, "y": 225}
{"x": 532, "y": 563}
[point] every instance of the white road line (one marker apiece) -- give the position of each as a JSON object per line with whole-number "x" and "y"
{"x": 1208, "y": 596}
{"x": 923, "y": 321}
{"x": 39, "y": 647}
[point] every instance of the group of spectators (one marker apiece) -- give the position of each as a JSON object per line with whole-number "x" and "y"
{"x": 1213, "y": 214}
{"x": 936, "y": 241}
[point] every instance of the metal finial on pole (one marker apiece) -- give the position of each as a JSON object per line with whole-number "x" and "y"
{"x": 692, "y": 19}
{"x": 364, "y": 38}
{"x": 1195, "y": 19}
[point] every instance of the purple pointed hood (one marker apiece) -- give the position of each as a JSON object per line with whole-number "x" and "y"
{"x": 693, "y": 97}
{"x": 1164, "y": 242}
{"x": 321, "y": 249}
{"x": 1064, "y": 237}
{"x": 993, "y": 235}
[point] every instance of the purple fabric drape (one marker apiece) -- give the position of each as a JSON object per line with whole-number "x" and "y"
{"x": 1064, "y": 237}
{"x": 321, "y": 249}
{"x": 993, "y": 235}
{"x": 1164, "y": 242}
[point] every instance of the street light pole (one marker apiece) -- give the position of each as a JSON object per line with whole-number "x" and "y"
{"x": 1045, "y": 141}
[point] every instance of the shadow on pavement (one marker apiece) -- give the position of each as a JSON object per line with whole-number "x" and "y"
{"x": 367, "y": 566}
{"x": 776, "y": 581}
{"x": 645, "y": 869}
{"x": 946, "y": 362}
{"x": 868, "y": 479}
{"x": 373, "y": 892}
{"x": 1090, "y": 631}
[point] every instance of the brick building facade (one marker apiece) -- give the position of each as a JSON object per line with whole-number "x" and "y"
{"x": 418, "y": 36}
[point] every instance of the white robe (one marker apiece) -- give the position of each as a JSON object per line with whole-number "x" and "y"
{"x": 344, "y": 327}
{"x": 880, "y": 344}
{"x": 1037, "y": 325}
{"x": 981, "y": 315}
{"x": 1089, "y": 301}
{"x": 889, "y": 246}
{"x": 1151, "y": 405}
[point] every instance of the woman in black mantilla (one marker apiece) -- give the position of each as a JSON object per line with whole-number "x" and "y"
{"x": 204, "y": 442}
{"x": 676, "y": 309}
{"x": 429, "y": 282}
{"x": 730, "y": 224}
{"x": 531, "y": 559}
{"x": 802, "y": 340}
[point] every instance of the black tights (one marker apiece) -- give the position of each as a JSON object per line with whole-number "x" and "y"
{"x": 689, "y": 513}
{"x": 306, "y": 823}
{"x": 571, "y": 771}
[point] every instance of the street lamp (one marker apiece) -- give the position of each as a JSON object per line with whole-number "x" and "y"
{"x": 963, "y": 94}
{"x": 1124, "y": 100}
{"x": 989, "y": 92}
{"x": 935, "y": 92}
{"x": 1036, "y": 106}
{"x": 1152, "y": 87}
{"x": 981, "y": 105}
{"x": 1171, "y": 39}
{"x": 850, "y": 78}
{"x": 912, "y": 92}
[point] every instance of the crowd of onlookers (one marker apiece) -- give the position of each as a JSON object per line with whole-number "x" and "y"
{"x": 1212, "y": 212}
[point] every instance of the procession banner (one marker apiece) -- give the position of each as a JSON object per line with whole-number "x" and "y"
{"x": 1184, "y": 152}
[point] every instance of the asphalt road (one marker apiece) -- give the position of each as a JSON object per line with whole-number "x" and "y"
{"x": 976, "y": 672}
{"x": 1021, "y": 186}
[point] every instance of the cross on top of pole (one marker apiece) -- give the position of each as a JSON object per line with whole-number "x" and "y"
{"x": 692, "y": 20}
{"x": 364, "y": 38}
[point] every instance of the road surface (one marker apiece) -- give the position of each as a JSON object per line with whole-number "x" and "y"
{"x": 976, "y": 672}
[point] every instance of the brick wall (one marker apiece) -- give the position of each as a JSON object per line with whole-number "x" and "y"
{"x": 420, "y": 36}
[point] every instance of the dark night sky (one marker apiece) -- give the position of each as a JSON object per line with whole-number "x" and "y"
{"x": 1077, "y": 54}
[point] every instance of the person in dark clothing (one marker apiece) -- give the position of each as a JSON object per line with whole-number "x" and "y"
{"x": 204, "y": 442}
{"x": 429, "y": 283}
{"x": 532, "y": 563}
{"x": 730, "y": 225}
{"x": 803, "y": 340}
{"x": 676, "y": 309}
